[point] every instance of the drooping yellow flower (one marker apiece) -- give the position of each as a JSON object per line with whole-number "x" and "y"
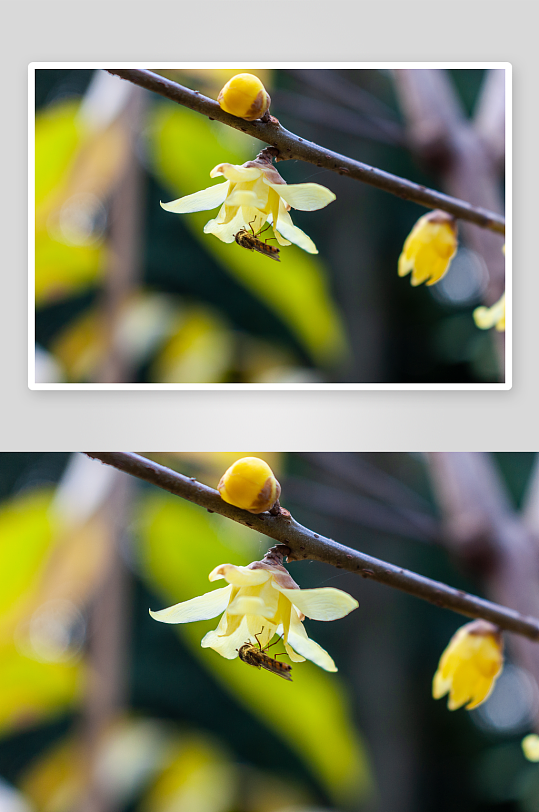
{"x": 429, "y": 248}
{"x": 244, "y": 96}
{"x": 250, "y": 484}
{"x": 530, "y": 747}
{"x": 262, "y": 600}
{"x": 470, "y": 665}
{"x": 252, "y": 195}
{"x": 487, "y": 317}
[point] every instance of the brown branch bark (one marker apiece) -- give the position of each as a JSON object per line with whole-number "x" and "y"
{"x": 292, "y": 147}
{"x": 303, "y": 543}
{"x": 105, "y": 695}
{"x": 124, "y": 260}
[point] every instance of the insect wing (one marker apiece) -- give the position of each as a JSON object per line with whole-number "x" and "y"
{"x": 281, "y": 669}
{"x": 268, "y": 250}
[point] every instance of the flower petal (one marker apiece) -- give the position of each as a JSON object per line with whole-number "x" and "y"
{"x": 239, "y": 576}
{"x": 250, "y": 605}
{"x": 304, "y": 196}
{"x": 227, "y": 230}
{"x": 300, "y": 642}
{"x": 199, "y": 201}
{"x": 237, "y": 174}
{"x": 296, "y": 658}
{"x": 245, "y": 197}
{"x": 227, "y": 645}
{"x": 325, "y": 603}
{"x": 276, "y": 205}
{"x": 286, "y": 227}
{"x": 260, "y": 630}
{"x": 203, "y": 607}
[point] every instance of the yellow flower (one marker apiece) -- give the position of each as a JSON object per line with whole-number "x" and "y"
{"x": 487, "y": 317}
{"x": 262, "y": 600}
{"x": 530, "y": 746}
{"x": 250, "y": 484}
{"x": 429, "y": 248}
{"x": 244, "y": 96}
{"x": 252, "y": 195}
{"x": 470, "y": 665}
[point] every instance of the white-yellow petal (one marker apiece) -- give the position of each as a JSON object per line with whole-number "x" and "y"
{"x": 286, "y": 227}
{"x": 296, "y": 658}
{"x": 304, "y": 196}
{"x": 325, "y": 603}
{"x": 203, "y": 607}
{"x": 227, "y": 645}
{"x": 204, "y": 200}
{"x": 250, "y": 605}
{"x": 300, "y": 642}
{"x": 225, "y": 231}
{"x": 245, "y": 197}
{"x": 239, "y": 576}
{"x": 237, "y": 174}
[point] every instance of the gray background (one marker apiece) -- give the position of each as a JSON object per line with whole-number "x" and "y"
{"x": 282, "y": 30}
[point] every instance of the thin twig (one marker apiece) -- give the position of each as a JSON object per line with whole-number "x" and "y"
{"x": 305, "y": 544}
{"x": 291, "y": 147}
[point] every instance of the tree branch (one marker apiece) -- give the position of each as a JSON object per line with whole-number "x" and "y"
{"x": 303, "y": 543}
{"x": 290, "y": 146}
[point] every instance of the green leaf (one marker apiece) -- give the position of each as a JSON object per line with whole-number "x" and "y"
{"x": 181, "y": 544}
{"x": 57, "y": 140}
{"x": 185, "y": 147}
{"x": 25, "y": 540}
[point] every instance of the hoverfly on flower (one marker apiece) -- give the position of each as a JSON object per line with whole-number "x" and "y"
{"x": 257, "y": 657}
{"x": 250, "y": 241}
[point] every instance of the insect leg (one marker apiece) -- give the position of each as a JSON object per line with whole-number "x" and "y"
{"x": 257, "y": 636}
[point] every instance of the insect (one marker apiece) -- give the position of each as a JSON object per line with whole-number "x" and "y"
{"x": 257, "y": 657}
{"x": 250, "y": 241}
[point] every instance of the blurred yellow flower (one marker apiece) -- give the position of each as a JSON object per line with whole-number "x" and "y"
{"x": 530, "y": 747}
{"x": 429, "y": 248}
{"x": 250, "y": 484}
{"x": 470, "y": 665}
{"x": 252, "y": 195}
{"x": 244, "y": 96}
{"x": 487, "y": 317}
{"x": 262, "y": 600}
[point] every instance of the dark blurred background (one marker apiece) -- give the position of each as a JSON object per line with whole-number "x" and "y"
{"x": 126, "y": 292}
{"x": 103, "y": 709}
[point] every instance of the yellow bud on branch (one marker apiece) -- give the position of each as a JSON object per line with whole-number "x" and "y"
{"x": 244, "y": 96}
{"x": 250, "y": 484}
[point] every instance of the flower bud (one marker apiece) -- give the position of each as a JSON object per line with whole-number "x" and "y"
{"x": 244, "y": 96}
{"x": 429, "y": 248}
{"x": 470, "y": 665}
{"x": 487, "y": 317}
{"x": 250, "y": 484}
{"x": 530, "y": 747}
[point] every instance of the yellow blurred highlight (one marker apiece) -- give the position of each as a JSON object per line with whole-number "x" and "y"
{"x": 199, "y": 350}
{"x": 199, "y": 777}
{"x": 49, "y": 573}
{"x": 75, "y": 170}
{"x": 80, "y": 346}
{"x": 131, "y": 752}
